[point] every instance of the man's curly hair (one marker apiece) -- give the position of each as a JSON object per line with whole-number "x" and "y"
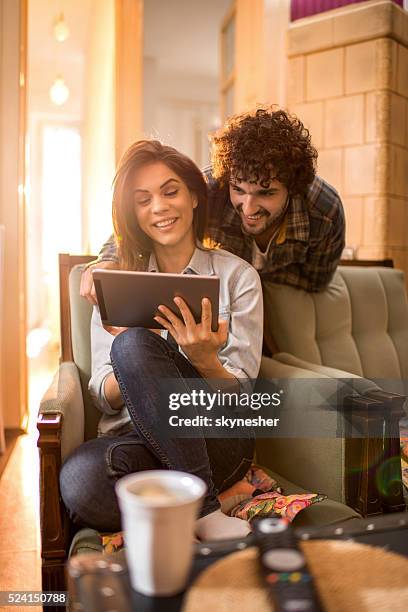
{"x": 263, "y": 144}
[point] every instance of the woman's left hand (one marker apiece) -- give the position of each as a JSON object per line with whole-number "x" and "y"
{"x": 199, "y": 343}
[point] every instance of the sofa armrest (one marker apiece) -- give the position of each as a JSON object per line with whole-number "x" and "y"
{"x": 393, "y": 410}
{"x": 60, "y": 425}
{"x": 360, "y": 384}
{"x": 63, "y": 399}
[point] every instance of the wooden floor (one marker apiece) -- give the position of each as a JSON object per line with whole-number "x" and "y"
{"x": 11, "y": 439}
{"x": 20, "y": 566}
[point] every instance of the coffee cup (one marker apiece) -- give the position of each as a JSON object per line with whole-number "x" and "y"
{"x": 159, "y": 509}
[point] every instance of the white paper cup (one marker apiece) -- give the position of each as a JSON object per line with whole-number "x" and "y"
{"x": 159, "y": 532}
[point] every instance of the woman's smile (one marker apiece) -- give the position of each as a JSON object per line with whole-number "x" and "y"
{"x": 165, "y": 224}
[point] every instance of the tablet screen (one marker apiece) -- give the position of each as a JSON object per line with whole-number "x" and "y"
{"x": 131, "y": 299}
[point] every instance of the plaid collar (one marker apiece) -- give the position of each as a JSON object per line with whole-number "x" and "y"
{"x": 298, "y": 225}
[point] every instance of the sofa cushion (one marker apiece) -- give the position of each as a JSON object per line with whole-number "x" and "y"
{"x": 85, "y": 541}
{"x": 81, "y": 312}
{"x": 359, "y": 324}
{"x": 89, "y": 541}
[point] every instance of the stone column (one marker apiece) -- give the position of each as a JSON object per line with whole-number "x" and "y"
{"x": 348, "y": 82}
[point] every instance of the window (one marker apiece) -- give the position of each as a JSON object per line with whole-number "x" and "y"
{"x": 54, "y": 225}
{"x": 60, "y": 193}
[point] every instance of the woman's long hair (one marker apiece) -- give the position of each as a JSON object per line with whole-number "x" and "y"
{"x": 133, "y": 245}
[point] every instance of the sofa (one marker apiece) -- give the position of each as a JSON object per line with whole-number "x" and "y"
{"x": 307, "y": 349}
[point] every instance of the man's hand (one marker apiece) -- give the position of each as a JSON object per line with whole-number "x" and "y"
{"x": 87, "y": 288}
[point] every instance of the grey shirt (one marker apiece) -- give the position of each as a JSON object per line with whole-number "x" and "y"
{"x": 240, "y": 303}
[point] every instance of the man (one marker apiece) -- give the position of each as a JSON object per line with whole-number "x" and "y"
{"x": 266, "y": 203}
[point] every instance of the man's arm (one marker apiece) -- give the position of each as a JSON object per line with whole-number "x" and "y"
{"x": 107, "y": 258}
{"x": 322, "y": 262}
{"x": 323, "y": 256}
{"x": 108, "y": 252}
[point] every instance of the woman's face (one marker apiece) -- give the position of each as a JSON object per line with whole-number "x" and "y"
{"x": 163, "y": 205}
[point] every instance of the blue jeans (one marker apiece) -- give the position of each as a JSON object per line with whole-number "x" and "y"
{"x": 140, "y": 359}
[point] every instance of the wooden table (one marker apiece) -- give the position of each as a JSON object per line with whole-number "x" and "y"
{"x": 100, "y": 583}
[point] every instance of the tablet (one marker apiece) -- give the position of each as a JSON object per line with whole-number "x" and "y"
{"x": 131, "y": 299}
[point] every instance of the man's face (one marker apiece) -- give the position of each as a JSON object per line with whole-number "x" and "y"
{"x": 257, "y": 205}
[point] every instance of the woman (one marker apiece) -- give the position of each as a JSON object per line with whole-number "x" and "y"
{"x": 159, "y": 214}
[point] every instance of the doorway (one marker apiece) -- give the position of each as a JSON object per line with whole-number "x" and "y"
{"x": 181, "y": 73}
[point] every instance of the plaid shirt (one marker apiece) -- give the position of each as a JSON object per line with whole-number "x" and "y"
{"x": 313, "y": 242}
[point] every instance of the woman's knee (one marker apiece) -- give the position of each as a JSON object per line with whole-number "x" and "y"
{"x": 134, "y": 344}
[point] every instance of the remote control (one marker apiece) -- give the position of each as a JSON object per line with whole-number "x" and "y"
{"x": 284, "y": 567}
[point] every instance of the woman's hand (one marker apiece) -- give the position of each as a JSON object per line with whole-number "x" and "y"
{"x": 199, "y": 343}
{"x": 87, "y": 287}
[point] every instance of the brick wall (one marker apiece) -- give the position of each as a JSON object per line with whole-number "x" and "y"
{"x": 348, "y": 82}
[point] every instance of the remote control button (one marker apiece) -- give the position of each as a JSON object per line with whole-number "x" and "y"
{"x": 283, "y": 559}
{"x": 272, "y": 578}
{"x": 272, "y": 525}
{"x": 295, "y": 577}
{"x": 297, "y": 605}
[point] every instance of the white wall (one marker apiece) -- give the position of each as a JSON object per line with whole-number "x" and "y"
{"x": 180, "y": 109}
{"x": 99, "y": 127}
{"x": 181, "y": 73}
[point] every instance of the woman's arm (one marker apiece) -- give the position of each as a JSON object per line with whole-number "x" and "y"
{"x": 103, "y": 387}
{"x": 112, "y": 392}
{"x": 107, "y": 259}
{"x": 242, "y": 353}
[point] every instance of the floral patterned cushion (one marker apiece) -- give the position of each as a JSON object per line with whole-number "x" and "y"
{"x": 257, "y": 494}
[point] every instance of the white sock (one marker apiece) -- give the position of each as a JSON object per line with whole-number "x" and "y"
{"x": 219, "y": 526}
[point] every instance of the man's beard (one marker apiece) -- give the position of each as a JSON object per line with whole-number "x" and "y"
{"x": 269, "y": 220}
{"x": 265, "y": 222}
